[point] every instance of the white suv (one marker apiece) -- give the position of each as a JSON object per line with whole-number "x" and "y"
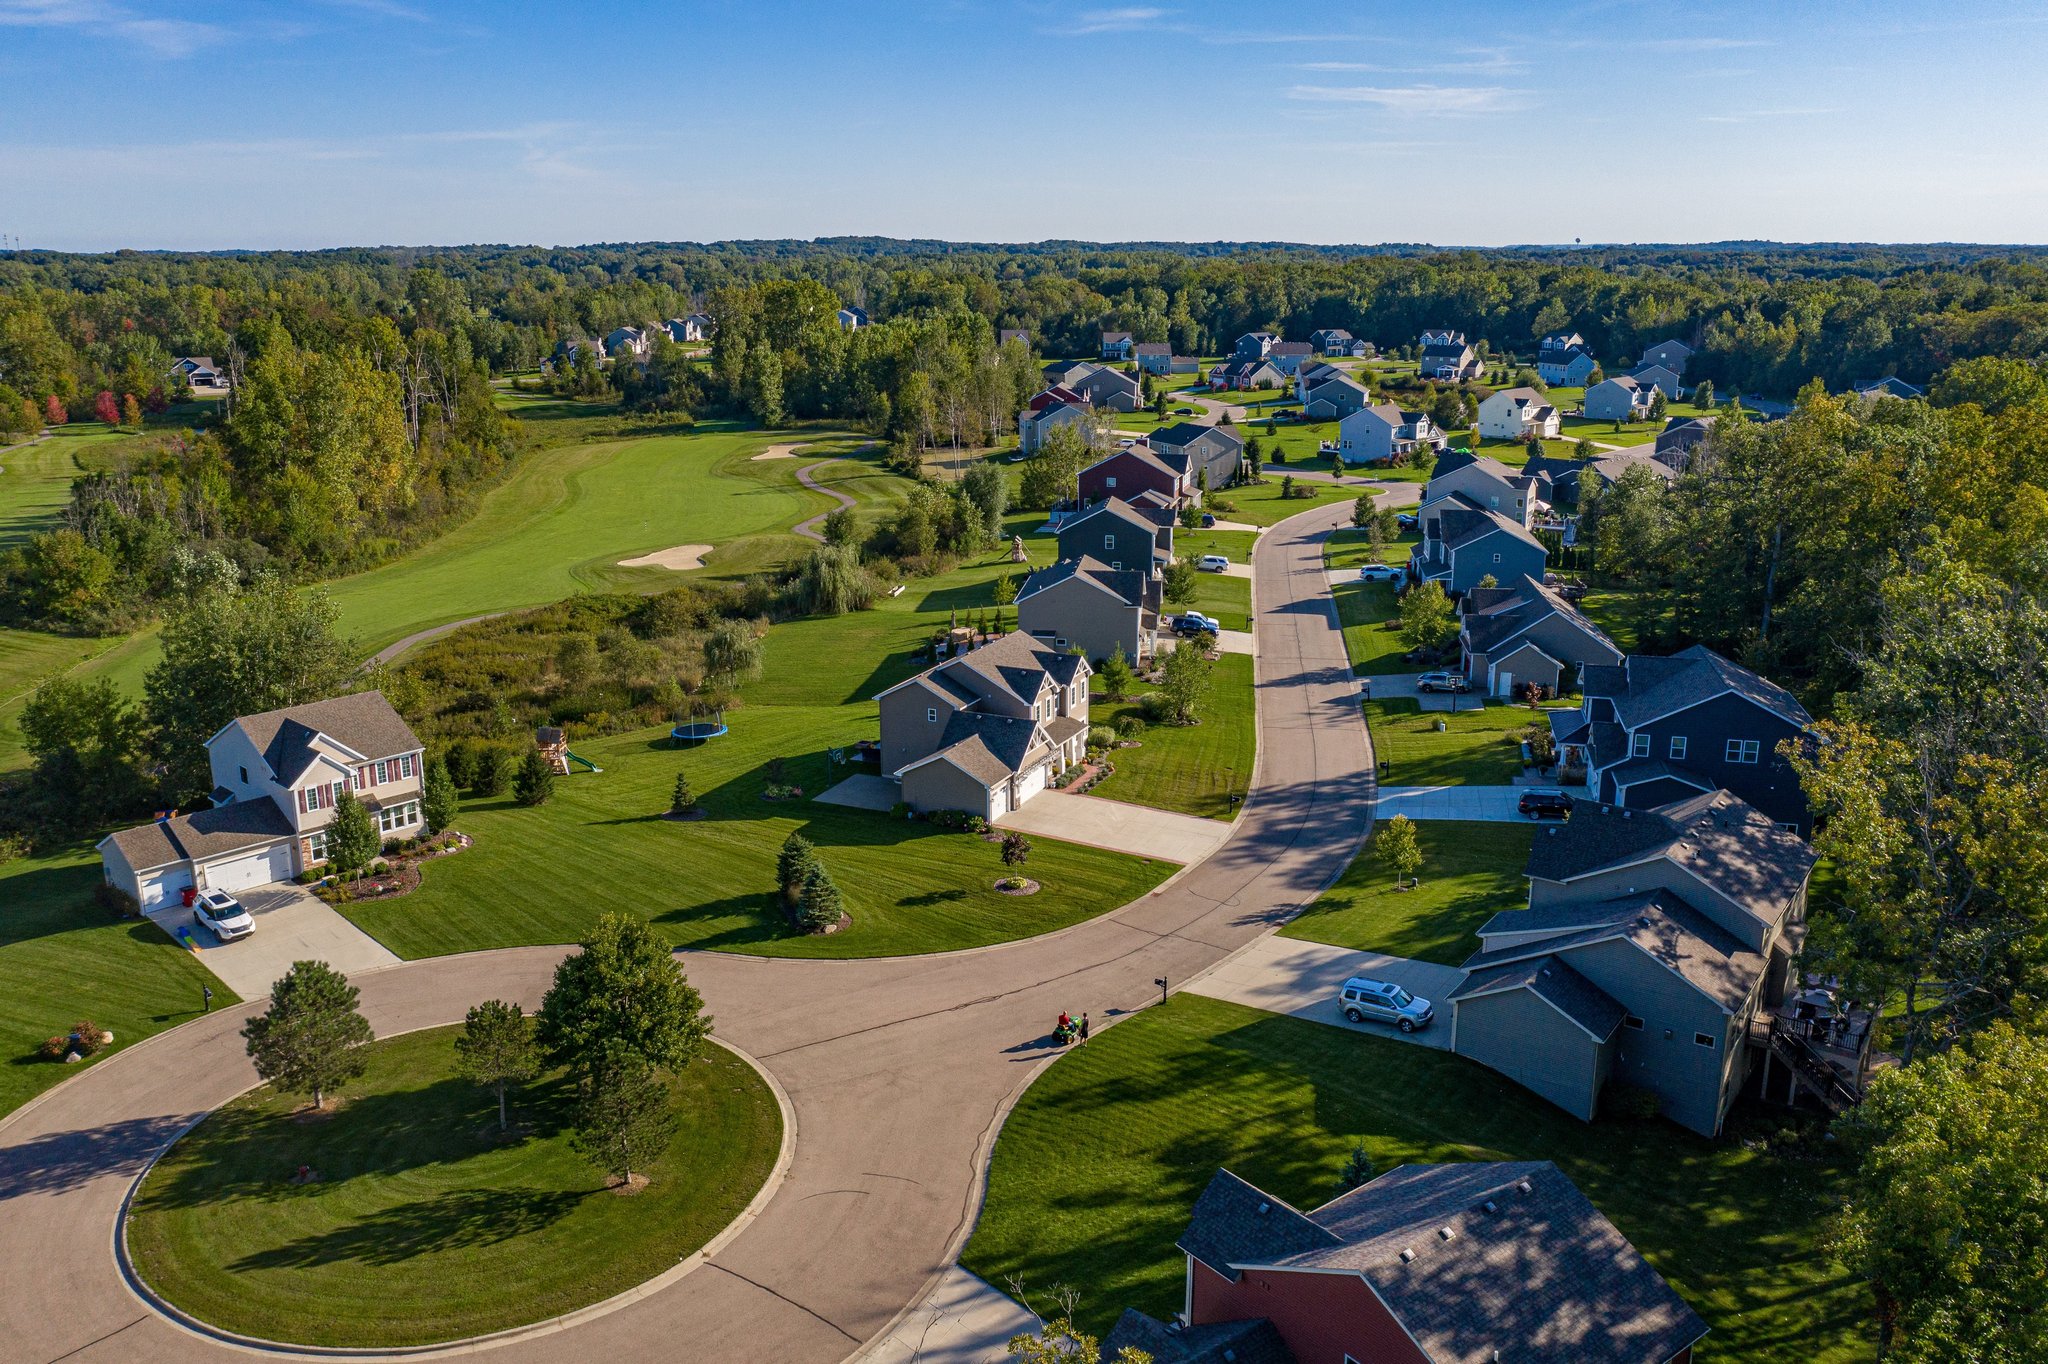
{"x": 1213, "y": 563}
{"x": 224, "y": 914}
{"x": 1384, "y": 1002}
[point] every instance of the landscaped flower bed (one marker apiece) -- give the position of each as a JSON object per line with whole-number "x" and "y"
{"x": 396, "y": 873}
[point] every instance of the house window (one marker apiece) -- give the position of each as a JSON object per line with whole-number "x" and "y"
{"x": 1109, "y": 542}
{"x": 244, "y": 775}
{"x": 383, "y": 773}
{"x": 1639, "y": 746}
{"x": 316, "y": 846}
{"x": 1743, "y": 750}
{"x": 1704, "y": 1039}
{"x": 1116, "y": 563}
{"x": 392, "y": 818}
{"x": 1496, "y": 558}
{"x": 1786, "y": 828}
{"x": 407, "y": 765}
{"x": 1678, "y": 746}
{"x": 931, "y": 715}
{"x": 1631, "y": 1021}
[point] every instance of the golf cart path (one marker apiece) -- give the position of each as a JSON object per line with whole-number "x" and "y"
{"x": 809, "y": 528}
{"x": 899, "y": 1072}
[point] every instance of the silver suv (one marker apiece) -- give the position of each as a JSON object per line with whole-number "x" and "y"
{"x": 1383, "y": 1001}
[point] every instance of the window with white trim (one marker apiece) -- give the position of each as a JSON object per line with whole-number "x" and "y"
{"x": 1704, "y": 1039}
{"x": 1743, "y": 750}
{"x": 408, "y": 765}
{"x": 383, "y": 773}
{"x": 1678, "y": 746}
{"x": 316, "y": 846}
{"x": 404, "y": 815}
{"x": 1109, "y": 542}
{"x": 1639, "y": 746}
{"x": 931, "y": 715}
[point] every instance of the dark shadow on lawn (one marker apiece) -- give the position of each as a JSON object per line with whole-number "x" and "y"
{"x": 456, "y": 1220}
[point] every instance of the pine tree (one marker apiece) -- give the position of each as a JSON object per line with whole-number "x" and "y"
{"x": 438, "y": 801}
{"x": 684, "y": 801}
{"x": 536, "y": 780}
{"x": 792, "y": 865}
{"x": 624, "y": 1120}
{"x": 311, "y": 1037}
{"x": 352, "y": 838}
{"x": 1116, "y": 675}
{"x": 823, "y": 906}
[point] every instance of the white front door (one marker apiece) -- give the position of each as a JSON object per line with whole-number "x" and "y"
{"x": 259, "y": 867}
{"x": 1504, "y": 684}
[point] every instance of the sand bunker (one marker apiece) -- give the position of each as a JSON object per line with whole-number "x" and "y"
{"x": 780, "y": 452}
{"x": 680, "y": 557}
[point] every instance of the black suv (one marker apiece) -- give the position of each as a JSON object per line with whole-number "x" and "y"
{"x": 1545, "y": 804}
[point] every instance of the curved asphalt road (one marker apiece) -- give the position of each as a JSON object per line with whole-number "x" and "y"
{"x": 899, "y": 1071}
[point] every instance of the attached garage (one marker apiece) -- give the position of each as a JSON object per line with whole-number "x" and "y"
{"x": 1031, "y": 783}
{"x": 1542, "y": 1025}
{"x": 164, "y": 886}
{"x": 257, "y": 867}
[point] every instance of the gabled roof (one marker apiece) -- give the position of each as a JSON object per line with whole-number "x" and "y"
{"x": 1499, "y": 618}
{"x": 1183, "y": 434}
{"x": 989, "y": 748}
{"x": 1554, "y": 982}
{"x": 1460, "y": 526}
{"x": 202, "y": 834}
{"x": 1250, "y": 1341}
{"x": 1291, "y": 348}
{"x": 1142, "y": 456}
{"x": 1648, "y": 688}
{"x": 1127, "y": 585}
{"x": 1659, "y": 924}
{"x": 1520, "y": 397}
{"x": 1110, "y": 337}
{"x": 363, "y": 724}
{"x": 1117, "y": 509}
{"x": 1477, "y": 1261}
{"x": 1152, "y": 348}
{"x": 1015, "y": 663}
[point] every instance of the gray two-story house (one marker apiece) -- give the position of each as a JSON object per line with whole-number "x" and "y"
{"x": 1654, "y": 730}
{"x": 1120, "y": 535}
{"x": 277, "y": 777}
{"x": 1464, "y": 544}
{"x": 1523, "y": 632}
{"x": 1653, "y": 943}
{"x": 1210, "y": 456}
{"x": 986, "y": 730}
{"x": 1089, "y": 605}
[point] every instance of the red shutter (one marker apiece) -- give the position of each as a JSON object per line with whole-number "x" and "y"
{"x": 301, "y": 794}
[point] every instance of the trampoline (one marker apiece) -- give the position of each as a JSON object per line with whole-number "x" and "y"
{"x": 697, "y": 731}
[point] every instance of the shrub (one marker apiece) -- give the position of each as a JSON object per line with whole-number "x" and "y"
{"x": 1630, "y": 1103}
{"x": 1101, "y": 736}
{"x": 115, "y": 900}
{"x": 54, "y": 1048}
{"x": 975, "y": 824}
{"x": 1158, "y": 709}
{"x": 1130, "y": 726}
{"x": 85, "y": 1037}
{"x": 900, "y": 810}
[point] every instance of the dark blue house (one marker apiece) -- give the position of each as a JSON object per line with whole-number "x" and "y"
{"x": 1654, "y": 730}
{"x": 1121, "y": 535}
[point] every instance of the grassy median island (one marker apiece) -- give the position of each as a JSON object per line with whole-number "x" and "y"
{"x": 423, "y": 1225}
{"x": 1101, "y": 1161}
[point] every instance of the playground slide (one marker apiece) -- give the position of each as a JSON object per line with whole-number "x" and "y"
{"x": 574, "y": 758}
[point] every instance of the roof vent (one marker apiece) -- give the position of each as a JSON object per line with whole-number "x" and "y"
{"x": 1642, "y": 921}
{"x": 1265, "y": 1208}
{"x": 1447, "y": 1233}
{"x": 1490, "y": 1206}
{"x": 1407, "y": 1254}
{"x": 1523, "y": 1186}
{"x": 1544, "y": 971}
{"x": 1626, "y": 813}
{"x": 1553, "y": 831}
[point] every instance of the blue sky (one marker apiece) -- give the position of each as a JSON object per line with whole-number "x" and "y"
{"x": 366, "y": 122}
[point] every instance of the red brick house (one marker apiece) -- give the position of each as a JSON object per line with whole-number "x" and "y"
{"x": 1130, "y": 472}
{"x": 1463, "y": 1263}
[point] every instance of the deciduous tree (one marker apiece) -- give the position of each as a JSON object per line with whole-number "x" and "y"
{"x": 624, "y": 1118}
{"x": 496, "y": 1050}
{"x": 621, "y": 990}
{"x": 1397, "y": 847}
{"x": 438, "y": 800}
{"x": 1184, "y": 677}
{"x": 1427, "y": 619}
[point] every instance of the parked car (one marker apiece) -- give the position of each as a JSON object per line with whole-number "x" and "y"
{"x": 1407, "y": 520}
{"x": 1545, "y": 804}
{"x": 1195, "y": 623}
{"x": 223, "y": 914}
{"x": 1208, "y": 520}
{"x": 1382, "y": 1001}
{"x": 1183, "y": 412}
{"x": 1213, "y": 563}
{"x": 1442, "y": 681}
{"x": 1380, "y": 573}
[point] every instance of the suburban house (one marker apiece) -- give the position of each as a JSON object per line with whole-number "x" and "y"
{"x": 1672, "y": 355}
{"x": 1116, "y": 345}
{"x": 1618, "y": 399}
{"x": 1254, "y": 346}
{"x": 1132, "y": 472}
{"x": 1445, "y": 355}
{"x": 1312, "y": 373}
{"x": 1092, "y": 606}
{"x": 1460, "y": 477}
{"x": 1891, "y": 386}
{"x": 1463, "y": 544}
{"x": 1243, "y": 374}
{"x": 1035, "y": 424}
{"x": 1153, "y": 357}
{"x": 1110, "y": 388}
{"x": 985, "y": 730}
{"x": 1557, "y": 481}
{"x": 695, "y": 327}
{"x": 1382, "y": 433}
{"x": 1517, "y": 414}
{"x": 1066, "y": 373}
{"x": 1337, "y": 341}
{"x": 1120, "y": 535}
{"x": 1655, "y": 948}
{"x": 1197, "y": 450}
{"x": 1655, "y": 730}
{"x": 1572, "y": 367}
{"x": 1523, "y": 632}
{"x": 1289, "y": 356}
{"x": 1680, "y": 437}
{"x": 199, "y": 371}
{"x": 1009, "y": 334}
{"x": 1659, "y": 377}
{"x": 1053, "y": 397}
{"x": 630, "y": 342}
{"x": 276, "y": 778}
{"x": 1334, "y": 399}
{"x": 852, "y": 318}
{"x": 1608, "y": 466}
{"x": 1465, "y": 1262}
{"x": 1560, "y": 342}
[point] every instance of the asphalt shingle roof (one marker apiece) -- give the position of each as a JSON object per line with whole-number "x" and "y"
{"x": 203, "y": 834}
{"x": 1646, "y": 687}
{"x": 1659, "y": 923}
{"x": 987, "y": 747}
{"x": 363, "y": 722}
{"x": 1490, "y": 622}
{"x": 1555, "y": 982}
{"x": 1126, "y": 584}
{"x": 1251, "y": 1341}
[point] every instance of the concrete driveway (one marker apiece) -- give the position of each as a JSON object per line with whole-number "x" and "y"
{"x": 1340, "y": 576}
{"x": 1233, "y": 570}
{"x": 1385, "y": 686}
{"x": 962, "y": 1321}
{"x": 1136, "y": 829}
{"x": 1491, "y": 804}
{"x": 1288, "y": 976}
{"x": 1235, "y": 641}
{"x": 864, "y": 791}
{"x": 291, "y": 925}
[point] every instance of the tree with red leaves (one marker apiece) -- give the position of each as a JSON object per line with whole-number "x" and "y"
{"x": 156, "y": 404}
{"x": 107, "y": 408}
{"x": 53, "y": 412}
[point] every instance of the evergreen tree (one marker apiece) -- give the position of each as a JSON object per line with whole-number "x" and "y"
{"x": 311, "y": 1038}
{"x": 792, "y": 865}
{"x": 438, "y": 801}
{"x": 536, "y": 780}
{"x": 352, "y": 837}
{"x": 684, "y": 800}
{"x": 821, "y": 902}
{"x": 623, "y": 990}
{"x": 1116, "y": 675}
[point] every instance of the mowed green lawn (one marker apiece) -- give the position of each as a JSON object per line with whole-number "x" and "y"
{"x": 1224, "y": 597}
{"x": 1349, "y": 547}
{"x": 64, "y": 960}
{"x": 1480, "y": 745}
{"x": 544, "y": 875}
{"x": 35, "y": 479}
{"x": 1470, "y": 872}
{"x": 1191, "y": 768}
{"x": 1260, "y": 504}
{"x": 1364, "y": 610}
{"x": 1099, "y": 1165}
{"x": 424, "y": 1225}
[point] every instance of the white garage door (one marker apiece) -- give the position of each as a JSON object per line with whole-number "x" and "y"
{"x": 258, "y": 868}
{"x": 1031, "y": 783}
{"x": 162, "y": 887}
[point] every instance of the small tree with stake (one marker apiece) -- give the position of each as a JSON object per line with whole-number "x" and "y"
{"x": 1016, "y": 850}
{"x": 1398, "y": 848}
{"x": 311, "y": 1037}
{"x": 683, "y": 802}
{"x": 496, "y": 1050}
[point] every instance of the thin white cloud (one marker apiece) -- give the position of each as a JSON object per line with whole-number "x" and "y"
{"x": 1697, "y": 44}
{"x": 1489, "y": 60}
{"x": 1125, "y": 20}
{"x": 166, "y": 37}
{"x": 1416, "y": 99}
{"x": 1754, "y": 115}
{"x": 1238, "y": 39}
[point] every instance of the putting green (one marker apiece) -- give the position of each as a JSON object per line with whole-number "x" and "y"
{"x": 420, "y": 1224}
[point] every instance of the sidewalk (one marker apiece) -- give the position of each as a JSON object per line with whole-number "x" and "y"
{"x": 964, "y": 1321}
